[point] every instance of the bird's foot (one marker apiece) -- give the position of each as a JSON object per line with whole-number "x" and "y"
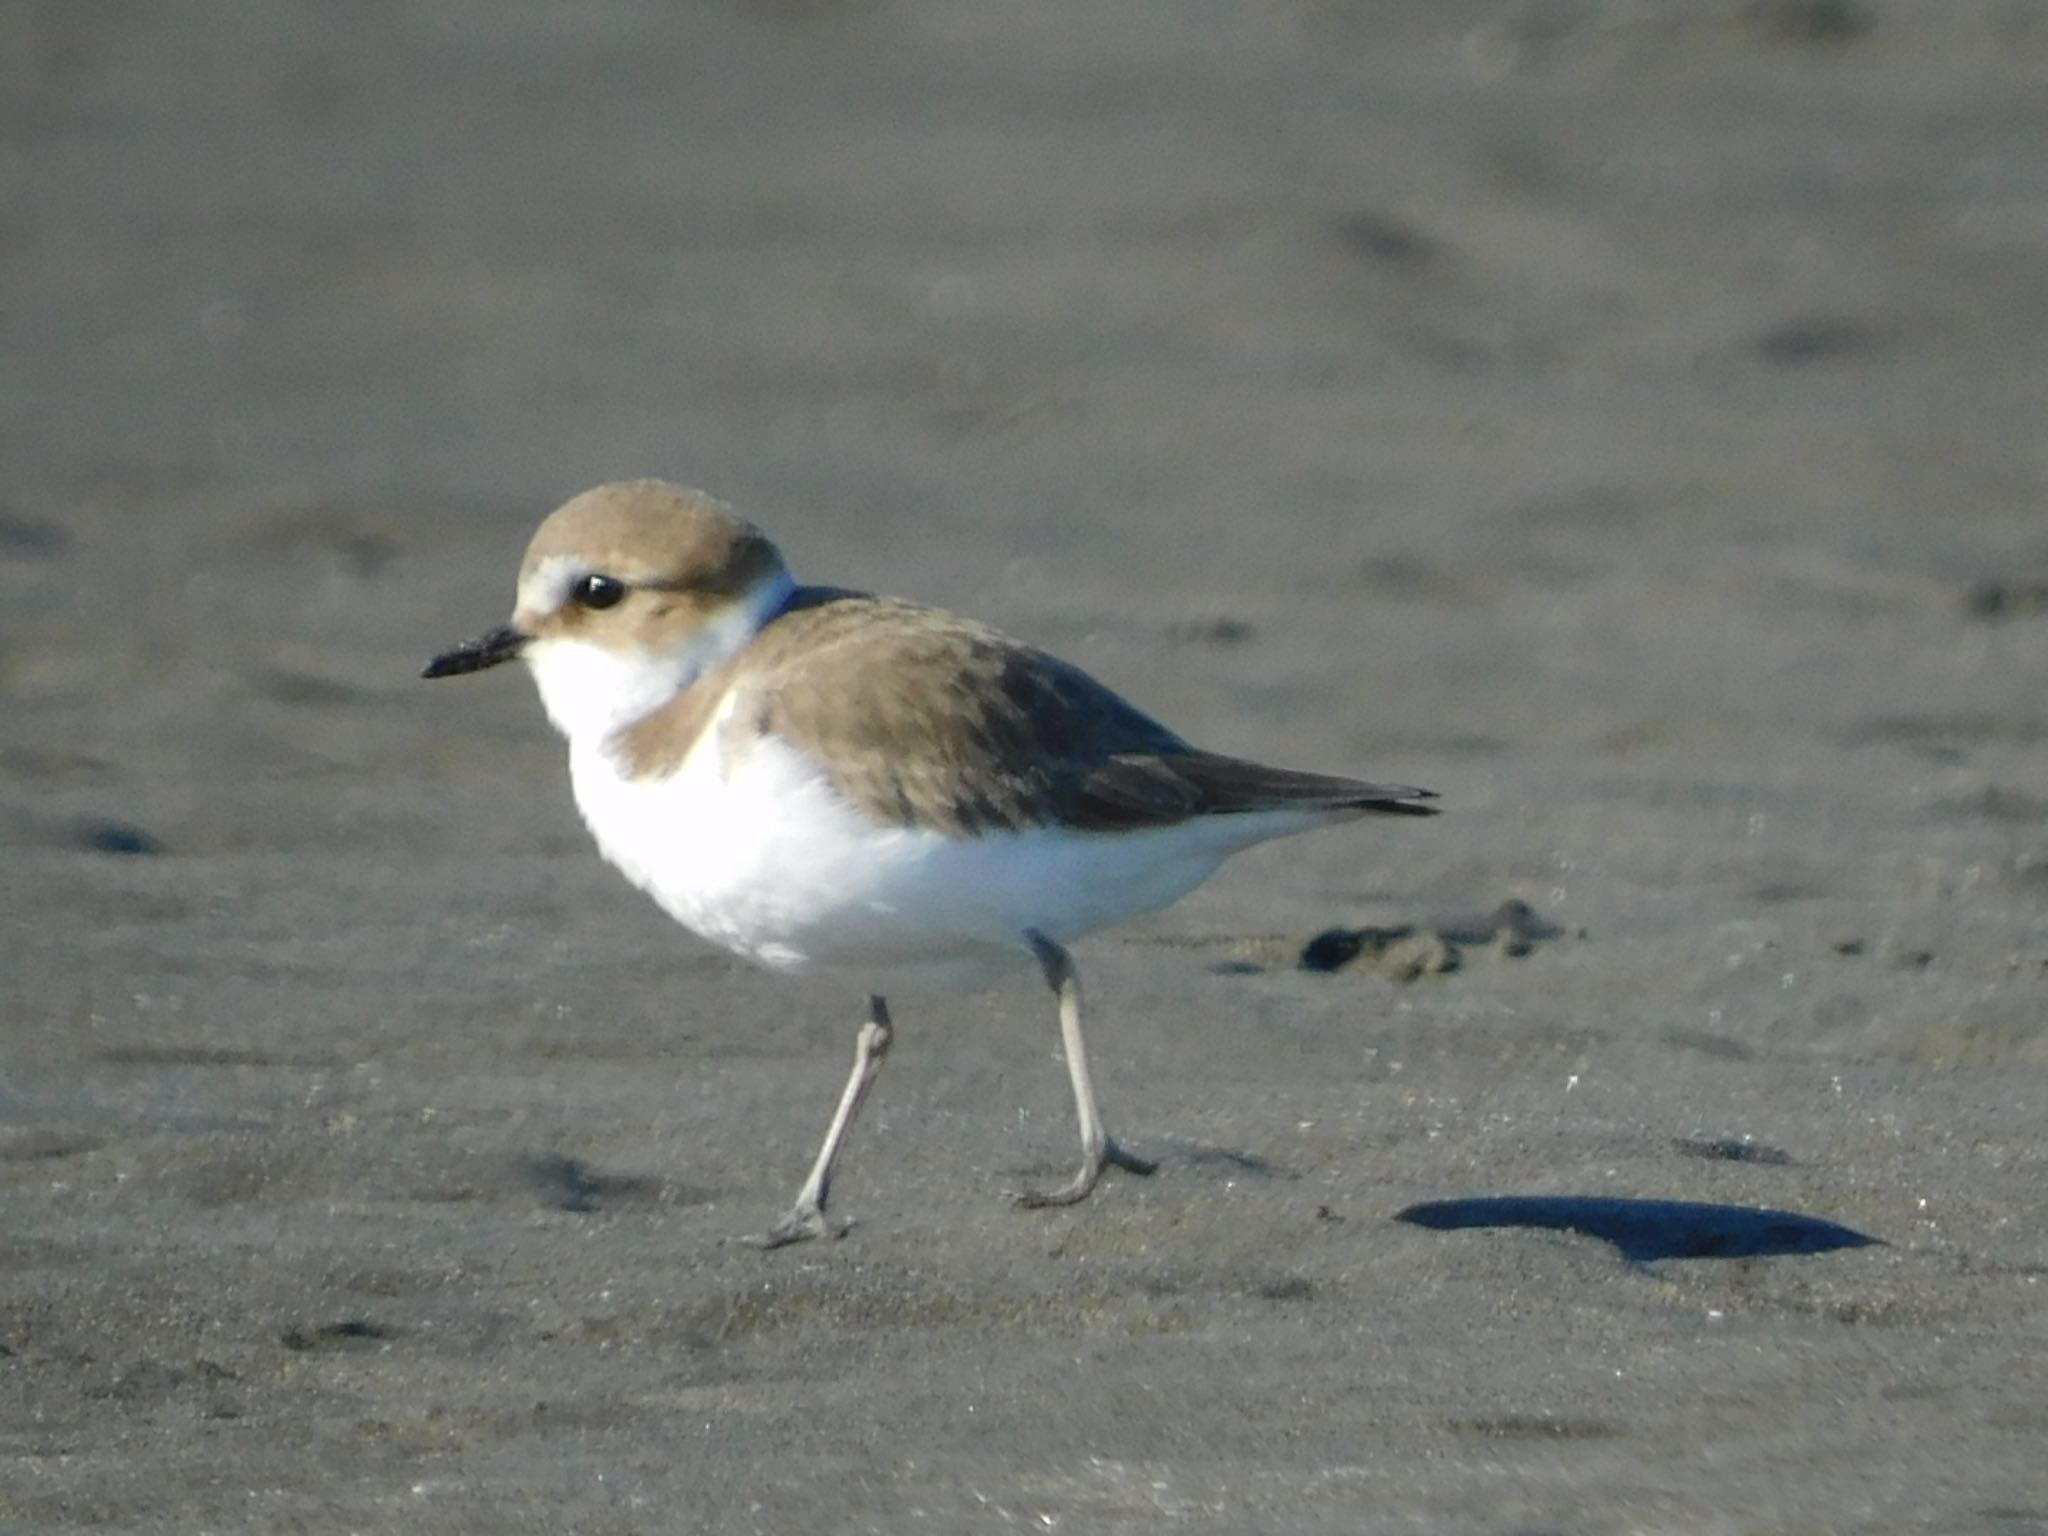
{"x": 802, "y": 1224}
{"x": 1078, "y": 1187}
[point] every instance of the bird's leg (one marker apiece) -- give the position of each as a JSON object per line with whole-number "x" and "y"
{"x": 806, "y": 1219}
{"x": 1098, "y": 1149}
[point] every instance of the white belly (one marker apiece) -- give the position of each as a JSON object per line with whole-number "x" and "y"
{"x": 763, "y": 857}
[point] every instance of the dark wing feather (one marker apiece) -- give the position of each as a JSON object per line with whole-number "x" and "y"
{"x": 1140, "y": 790}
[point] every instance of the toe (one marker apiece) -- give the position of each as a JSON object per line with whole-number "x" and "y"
{"x": 1044, "y": 1199}
{"x": 797, "y": 1227}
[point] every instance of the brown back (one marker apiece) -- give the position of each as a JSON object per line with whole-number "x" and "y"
{"x": 930, "y": 720}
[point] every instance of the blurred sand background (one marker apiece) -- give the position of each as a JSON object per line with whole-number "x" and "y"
{"x": 1623, "y": 418}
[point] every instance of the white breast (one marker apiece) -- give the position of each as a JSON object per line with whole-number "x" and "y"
{"x": 758, "y": 853}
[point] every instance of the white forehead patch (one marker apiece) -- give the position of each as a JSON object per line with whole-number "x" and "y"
{"x": 546, "y": 587}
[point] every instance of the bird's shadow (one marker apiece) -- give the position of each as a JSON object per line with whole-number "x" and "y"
{"x": 1645, "y": 1231}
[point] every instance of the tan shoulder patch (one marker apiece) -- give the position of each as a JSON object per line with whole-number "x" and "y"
{"x": 654, "y": 746}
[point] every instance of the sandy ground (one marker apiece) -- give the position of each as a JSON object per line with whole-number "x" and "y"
{"x": 1623, "y": 418}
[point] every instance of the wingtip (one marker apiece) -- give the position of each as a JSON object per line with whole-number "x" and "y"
{"x": 1396, "y": 800}
{"x": 1407, "y": 805}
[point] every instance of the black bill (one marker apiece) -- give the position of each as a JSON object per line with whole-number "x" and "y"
{"x": 501, "y": 644}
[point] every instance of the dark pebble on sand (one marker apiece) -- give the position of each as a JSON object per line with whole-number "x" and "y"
{"x": 118, "y": 837}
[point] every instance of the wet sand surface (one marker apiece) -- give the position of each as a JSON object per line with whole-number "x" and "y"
{"x": 1625, "y": 420}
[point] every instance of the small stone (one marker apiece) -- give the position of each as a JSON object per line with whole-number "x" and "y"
{"x": 118, "y": 837}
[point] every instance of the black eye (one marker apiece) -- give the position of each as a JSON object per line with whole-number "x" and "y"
{"x": 598, "y": 592}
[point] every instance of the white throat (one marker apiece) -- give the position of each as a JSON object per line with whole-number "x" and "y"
{"x": 590, "y": 691}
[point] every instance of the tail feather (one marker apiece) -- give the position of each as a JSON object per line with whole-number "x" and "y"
{"x": 1146, "y": 789}
{"x": 1231, "y": 786}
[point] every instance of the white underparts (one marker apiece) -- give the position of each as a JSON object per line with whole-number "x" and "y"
{"x": 761, "y": 855}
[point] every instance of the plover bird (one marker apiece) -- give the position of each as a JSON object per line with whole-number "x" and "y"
{"x": 807, "y": 776}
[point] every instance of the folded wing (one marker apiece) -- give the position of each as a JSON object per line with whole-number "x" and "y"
{"x": 925, "y": 719}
